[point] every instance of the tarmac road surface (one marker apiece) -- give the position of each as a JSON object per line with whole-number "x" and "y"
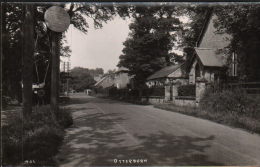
{"x": 112, "y": 133}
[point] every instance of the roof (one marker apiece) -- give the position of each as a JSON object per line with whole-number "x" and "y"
{"x": 208, "y": 16}
{"x": 209, "y": 57}
{"x": 164, "y": 72}
{"x": 122, "y": 69}
{"x": 105, "y": 82}
{"x": 101, "y": 80}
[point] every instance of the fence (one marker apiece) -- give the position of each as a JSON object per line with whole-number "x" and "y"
{"x": 249, "y": 87}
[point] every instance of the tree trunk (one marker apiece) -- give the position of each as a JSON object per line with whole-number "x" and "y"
{"x": 28, "y": 51}
{"x": 1, "y": 54}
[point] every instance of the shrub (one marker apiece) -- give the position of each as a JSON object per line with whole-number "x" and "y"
{"x": 187, "y": 90}
{"x": 12, "y": 141}
{"x": 36, "y": 138}
{"x": 154, "y": 91}
{"x": 236, "y": 102}
{"x": 41, "y": 144}
{"x": 64, "y": 118}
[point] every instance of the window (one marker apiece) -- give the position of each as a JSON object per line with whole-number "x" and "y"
{"x": 234, "y": 65}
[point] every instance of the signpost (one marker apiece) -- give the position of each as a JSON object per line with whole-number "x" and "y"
{"x": 57, "y": 20}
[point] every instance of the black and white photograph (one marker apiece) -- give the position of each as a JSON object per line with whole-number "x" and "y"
{"x": 121, "y": 83}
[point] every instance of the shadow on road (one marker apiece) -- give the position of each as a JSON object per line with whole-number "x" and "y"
{"x": 94, "y": 141}
{"x": 83, "y": 99}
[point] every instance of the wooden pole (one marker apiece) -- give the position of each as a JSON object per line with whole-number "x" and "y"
{"x": 28, "y": 51}
{"x": 55, "y": 71}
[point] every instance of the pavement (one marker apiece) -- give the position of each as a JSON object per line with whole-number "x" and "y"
{"x": 112, "y": 133}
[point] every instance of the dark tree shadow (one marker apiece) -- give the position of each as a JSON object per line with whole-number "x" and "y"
{"x": 96, "y": 140}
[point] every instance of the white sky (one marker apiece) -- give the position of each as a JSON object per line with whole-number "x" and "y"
{"x": 99, "y": 47}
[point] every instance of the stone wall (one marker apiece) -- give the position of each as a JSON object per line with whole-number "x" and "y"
{"x": 185, "y": 102}
{"x": 154, "y": 100}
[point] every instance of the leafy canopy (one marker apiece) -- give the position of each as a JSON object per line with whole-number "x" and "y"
{"x": 153, "y": 35}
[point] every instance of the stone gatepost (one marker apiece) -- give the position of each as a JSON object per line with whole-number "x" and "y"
{"x": 200, "y": 90}
{"x": 174, "y": 91}
{"x": 167, "y": 89}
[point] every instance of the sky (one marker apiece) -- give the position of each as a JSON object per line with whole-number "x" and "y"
{"x": 99, "y": 48}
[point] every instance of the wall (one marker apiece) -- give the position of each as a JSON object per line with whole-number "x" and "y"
{"x": 121, "y": 80}
{"x": 154, "y": 100}
{"x": 184, "y": 102}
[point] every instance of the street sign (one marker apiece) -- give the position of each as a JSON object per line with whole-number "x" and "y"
{"x": 57, "y": 19}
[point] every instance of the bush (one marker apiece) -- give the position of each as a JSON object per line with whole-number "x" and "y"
{"x": 64, "y": 118}
{"x": 187, "y": 90}
{"x": 235, "y": 102}
{"x": 12, "y": 141}
{"x": 41, "y": 144}
{"x": 155, "y": 91}
{"x": 36, "y": 139}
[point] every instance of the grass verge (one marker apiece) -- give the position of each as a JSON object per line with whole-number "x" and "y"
{"x": 233, "y": 120}
{"x": 35, "y": 140}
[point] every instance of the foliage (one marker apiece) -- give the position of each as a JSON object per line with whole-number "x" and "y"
{"x": 242, "y": 22}
{"x": 64, "y": 118}
{"x": 235, "y": 102}
{"x": 155, "y": 91}
{"x": 153, "y": 34}
{"x": 35, "y": 139}
{"x": 192, "y": 29}
{"x": 249, "y": 123}
{"x": 187, "y": 90}
{"x": 83, "y": 78}
{"x": 12, "y": 23}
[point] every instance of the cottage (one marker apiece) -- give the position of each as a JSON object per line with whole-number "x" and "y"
{"x": 122, "y": 78}
{"x": 119, "y": 80}
{"x": 106, "y": 81}
{"x": 209, "y": 62}
{"x": 207, "y": 65}
{"x": 165, "y": 77}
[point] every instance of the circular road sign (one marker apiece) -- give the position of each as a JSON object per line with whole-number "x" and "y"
{"x": 57, "y": 19}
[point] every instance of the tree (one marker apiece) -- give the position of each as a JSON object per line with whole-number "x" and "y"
{"x": 28, "y": 52}
{"x": 12, "y": 40}
{"x": 83, "y": 78}
{"x": 148, "y": 47}
{"x": 242, "y": 22}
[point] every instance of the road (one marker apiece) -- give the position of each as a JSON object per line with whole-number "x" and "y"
{"x": 112, "y": 133}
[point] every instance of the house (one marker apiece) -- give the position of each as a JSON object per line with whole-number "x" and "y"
{"x": 207, "y": 65}
{"x": 165, "y": 77}
{"x": 209, "y": 61}
{"x": 106, "y": 81}
{"x": 122, "y": 78}
{"x": 119, "y": 80}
